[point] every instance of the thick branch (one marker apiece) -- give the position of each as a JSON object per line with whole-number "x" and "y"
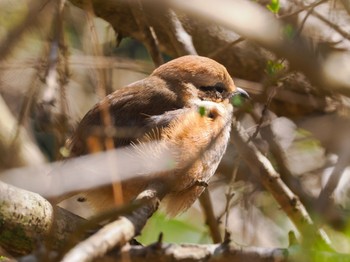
{"x": 192, "y": 252}
{"x": 116, "y": 233}
{"x": 220, "y": 253}
{"x": 26, "y": 217}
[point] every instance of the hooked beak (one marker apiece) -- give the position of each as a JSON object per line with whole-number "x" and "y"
{"x": 241, "y": 92}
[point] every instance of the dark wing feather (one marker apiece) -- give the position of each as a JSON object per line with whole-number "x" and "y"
{"x": 133, "y": 111}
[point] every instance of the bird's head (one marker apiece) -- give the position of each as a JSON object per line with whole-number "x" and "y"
{"x": 198, "y": 78}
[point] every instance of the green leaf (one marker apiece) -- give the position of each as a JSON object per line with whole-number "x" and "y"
{"x": 274, "y": 67}
{"x": 237, "y": 101}
{"x": 274, "y": 6}
{"x": 289, "y": 31}
{"x": 183, "y": 228}
{"x": 201, "y": 110}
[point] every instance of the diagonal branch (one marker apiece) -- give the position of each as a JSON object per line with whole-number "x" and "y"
{"x": 288, "y": 201}
{"x": 116, "y": 233}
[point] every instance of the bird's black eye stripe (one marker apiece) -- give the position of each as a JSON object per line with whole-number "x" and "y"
{"x": 219, "y": 89}
{"x": 216, "y": 88}
{"x": 206, "y": 88}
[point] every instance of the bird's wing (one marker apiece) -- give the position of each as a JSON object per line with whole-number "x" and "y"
{"x": 134, "y": 110}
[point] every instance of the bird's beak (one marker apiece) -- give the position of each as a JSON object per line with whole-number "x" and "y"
{"x": 241, "y": 92}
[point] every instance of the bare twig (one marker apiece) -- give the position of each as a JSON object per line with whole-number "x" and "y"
{"x": 302, "y": 24}
{"x": 84, "y": 61}
{"x": 229, "y": 196}
{"x": 102, "y": 92}
{"x": 52, "y": 104}
{"x": 346, "y": 5}
{"x": 149, "y": 35}
{"x": 264, "y": 113}
{"x": 30, "y": 20}
{"x": 117, "y": 233}
{"x": 26, "y": 105}
{"x": 311, "y": 10}
{"x": 324, "y": 199}
{"x": 334, "y": 26}
{"x": 288, "y": 201}
{"x": 211, "y": 220}
{"x": 225, "y": 48}
{"x": 256, "y": 90}
{"x": 63, "y": 70}
{"x": 311, "y": 6}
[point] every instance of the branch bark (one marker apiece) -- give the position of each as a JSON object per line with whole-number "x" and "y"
{"x": 116, "y": 233}
{"x": 189, "y": 253}
{"x": 26, "y": 218}
{"x": 220, "y": 253}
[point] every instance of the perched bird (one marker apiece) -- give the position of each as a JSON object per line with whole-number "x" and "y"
{"x": 184, "y": 103}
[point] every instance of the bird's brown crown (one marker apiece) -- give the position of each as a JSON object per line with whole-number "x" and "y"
{"x": 210, "y": 79}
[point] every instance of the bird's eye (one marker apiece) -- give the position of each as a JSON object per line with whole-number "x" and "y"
{"x": 216, "y": 88}
{"x": 219, "y": 89}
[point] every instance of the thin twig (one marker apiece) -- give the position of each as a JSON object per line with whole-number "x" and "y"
{"x": 302, "y": 24}
{"x": 28, "y": 100}
{"x": 84, "y": 61}
{"x": 311, "y": 10}
{"x": 311, "y": 6}
{"x": 346, "y": 5}
{"x": 229, "y": 196}
{"x": 30, "y": 20}
{"x": 63, "y": 70}
{"x": 335, "y": 27}
{"x": 149, "y": 35}
{"x": 263, "y": 114}
{"x": 226, "y": 47}
{"x": 57, "y": 74}
{"x": 211, "y": 220}
{"x": 104, "y": 107}
{"x": 324, "y": 199}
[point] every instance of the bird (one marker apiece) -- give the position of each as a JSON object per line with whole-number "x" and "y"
{"x": 184, "y": 103}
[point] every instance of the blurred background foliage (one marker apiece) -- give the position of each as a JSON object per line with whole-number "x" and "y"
{"x": 296, "y": 113}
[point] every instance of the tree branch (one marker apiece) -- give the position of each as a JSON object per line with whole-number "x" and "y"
{"x": 116, "y": 233}
{"x": 289, "y": 202}
{"x": 221, "y": 253}
{"x": 26, "y": 217}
